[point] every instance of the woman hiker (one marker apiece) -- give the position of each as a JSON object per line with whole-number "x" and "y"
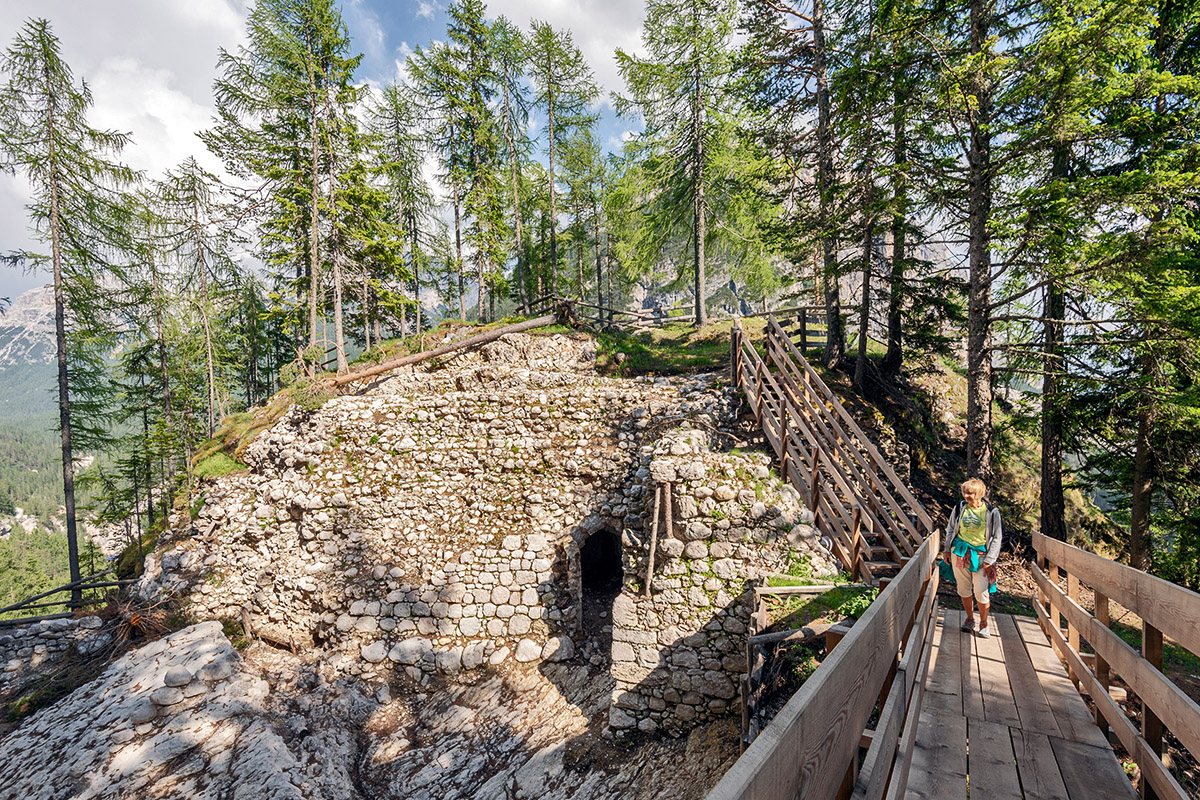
{"x": 972, "y": 545}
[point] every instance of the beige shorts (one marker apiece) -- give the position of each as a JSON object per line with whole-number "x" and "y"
{"x": 972, "y": 583}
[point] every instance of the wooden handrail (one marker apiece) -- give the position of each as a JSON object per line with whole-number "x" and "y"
{"x": 1169, "y": 607}
{"x": 1164, "y": 608}
{"x": 810, "y": 749}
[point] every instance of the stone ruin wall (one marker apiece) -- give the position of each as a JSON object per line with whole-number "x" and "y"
{"x": 434, "y": 525}
{"x": 27, "y": 651}
{"x": 678, "y": 653}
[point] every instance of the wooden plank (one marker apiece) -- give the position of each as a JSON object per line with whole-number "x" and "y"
{"x": 1040, "y": 776}
{"x": 944, "y": 689}
{"x": 898, "y": 782}
{"x": 972, "y": 691}
{"x": 939, "y": 759}
{"x": 1091, "y": 773}
{"x": 1151, "y": 765}
{"x": 870, "y": 448}
{"x": 802, "y": 753}
{"x": 998, "y": 703}
{"x": 1070, "y": 713}
{"x": 1172, "y": 609}
{"x": 881, "y": 754}
{"x": 1032, "y": 706}
{"x": 852, "y": 456}
{"x": 1171, "y": 705}
{"x": 991, "y": 763}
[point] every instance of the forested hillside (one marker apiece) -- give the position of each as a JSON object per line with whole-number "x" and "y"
{"x": 812, "y": 152}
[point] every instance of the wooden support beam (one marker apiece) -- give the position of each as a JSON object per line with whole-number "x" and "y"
{"x": 658, "y": 491}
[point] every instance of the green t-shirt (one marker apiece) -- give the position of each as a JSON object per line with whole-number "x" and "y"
{"x": 972, "y": 526}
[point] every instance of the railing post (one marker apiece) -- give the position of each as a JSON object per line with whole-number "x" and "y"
{"x": 783, "y": 438}
{"x": 735, "y": 354}
{"x": 1152, "y": 727}
{"x": 1072, "y": 631}
{"x": 758, "y": 391}
{"x": 1101, "y": 666}
{"x": 803, "y": 330}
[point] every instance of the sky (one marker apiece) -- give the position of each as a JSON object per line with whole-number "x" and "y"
{"x": 151, "y": 63}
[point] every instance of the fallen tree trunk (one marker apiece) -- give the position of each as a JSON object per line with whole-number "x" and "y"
{"x": 415, "y": 358}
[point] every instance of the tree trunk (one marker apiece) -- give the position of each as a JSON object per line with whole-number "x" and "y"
{"x": 64, "y": 393}
{"x": 1140, "y": 545}
{"x": 553, "y": 218}
{"x": 864, "y": 317}
{"x": 979, "y": 343}
{"x": 835, "y": 336}
{"x": 412, "y": 235}
{"x": 202, "y": 274}
{"x": 1053, "y": 508}
{"x": 514, "y": 170}
{"x": 1053, "y": 523}
{"x": 894, "y": 360}
{"x": 314, "y": 250}
{"x": 458, "y": 260}
{"x": 481, "y": 273}
{"x": 599, "y": 266}
{"x": 698, "y": 211}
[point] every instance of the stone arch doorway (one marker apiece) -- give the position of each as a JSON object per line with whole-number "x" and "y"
{"x": 600, "y": 566}
{"x": 601, "y": 575}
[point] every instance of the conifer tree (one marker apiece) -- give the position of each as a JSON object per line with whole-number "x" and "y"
{"x": 77, "y": 212}
{"x": 565, "y": 90}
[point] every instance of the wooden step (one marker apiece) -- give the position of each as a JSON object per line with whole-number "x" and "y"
{"x": 881, "y": 565}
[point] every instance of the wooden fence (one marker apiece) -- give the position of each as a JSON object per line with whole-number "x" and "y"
{"x": 40, "y": 601}
{"x": 811, "y": 749}
{"x": 869, "y": 515}
{"x": 1165, "y": 609}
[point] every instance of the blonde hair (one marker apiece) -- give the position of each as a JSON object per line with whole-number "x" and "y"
{"x": 975, "y": 488}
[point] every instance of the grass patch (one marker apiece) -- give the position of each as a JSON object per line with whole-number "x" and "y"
{"x": 672, "y": 349}
{"x": 798, "y": 610}
{"x": 216, "y": 465}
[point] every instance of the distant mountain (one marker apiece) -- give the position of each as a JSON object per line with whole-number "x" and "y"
{"x": 27, "y": 329}
{"x": 27, "y": 353}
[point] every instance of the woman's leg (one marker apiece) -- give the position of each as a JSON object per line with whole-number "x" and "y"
{"x": 965, "y": 586}
{"x": 982, "y": 597}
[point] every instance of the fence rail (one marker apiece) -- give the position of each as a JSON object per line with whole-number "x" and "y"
{"x": 810, "y": 751}
{"x": 1164, "y": 608}
{"x": 90, "y": 583}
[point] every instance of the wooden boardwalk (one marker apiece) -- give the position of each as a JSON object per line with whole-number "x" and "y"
{"x": 1001, "y": 718}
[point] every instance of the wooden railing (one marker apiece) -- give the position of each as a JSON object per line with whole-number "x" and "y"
{"x": 811, "y": 749}
{"x": 854, "y": 493}
{"x": 1165, "y": 609}
{"x": 91, "y": 583}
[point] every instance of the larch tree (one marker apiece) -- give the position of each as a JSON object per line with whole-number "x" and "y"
{"x": 399, "y": 148}
{"x": 509, "y": 52}
{"x": 564, "y": 91}
{"x": 77, "y": 212}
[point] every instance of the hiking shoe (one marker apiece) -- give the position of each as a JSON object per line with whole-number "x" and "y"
{"x": 984, "y": 632}
{"x": 969, "y": 625}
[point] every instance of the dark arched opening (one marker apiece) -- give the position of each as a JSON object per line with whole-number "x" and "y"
{"x": 601, "y": 576}
{"x": 600, "y": 563}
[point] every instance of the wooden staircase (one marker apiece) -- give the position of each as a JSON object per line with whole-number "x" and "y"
{"x": 870, "y": 518}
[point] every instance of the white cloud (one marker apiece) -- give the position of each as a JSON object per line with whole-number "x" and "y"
{"x": 598, "y": 28}
{"x": 163, "y": 120}
{"x": 150, "y": 65}
{"x": 426, "y": 9}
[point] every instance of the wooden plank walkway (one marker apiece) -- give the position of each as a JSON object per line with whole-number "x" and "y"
{"x": 1002, "y": 721}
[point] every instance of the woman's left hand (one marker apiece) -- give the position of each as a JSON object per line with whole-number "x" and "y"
{"x": 990, "y": 571}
